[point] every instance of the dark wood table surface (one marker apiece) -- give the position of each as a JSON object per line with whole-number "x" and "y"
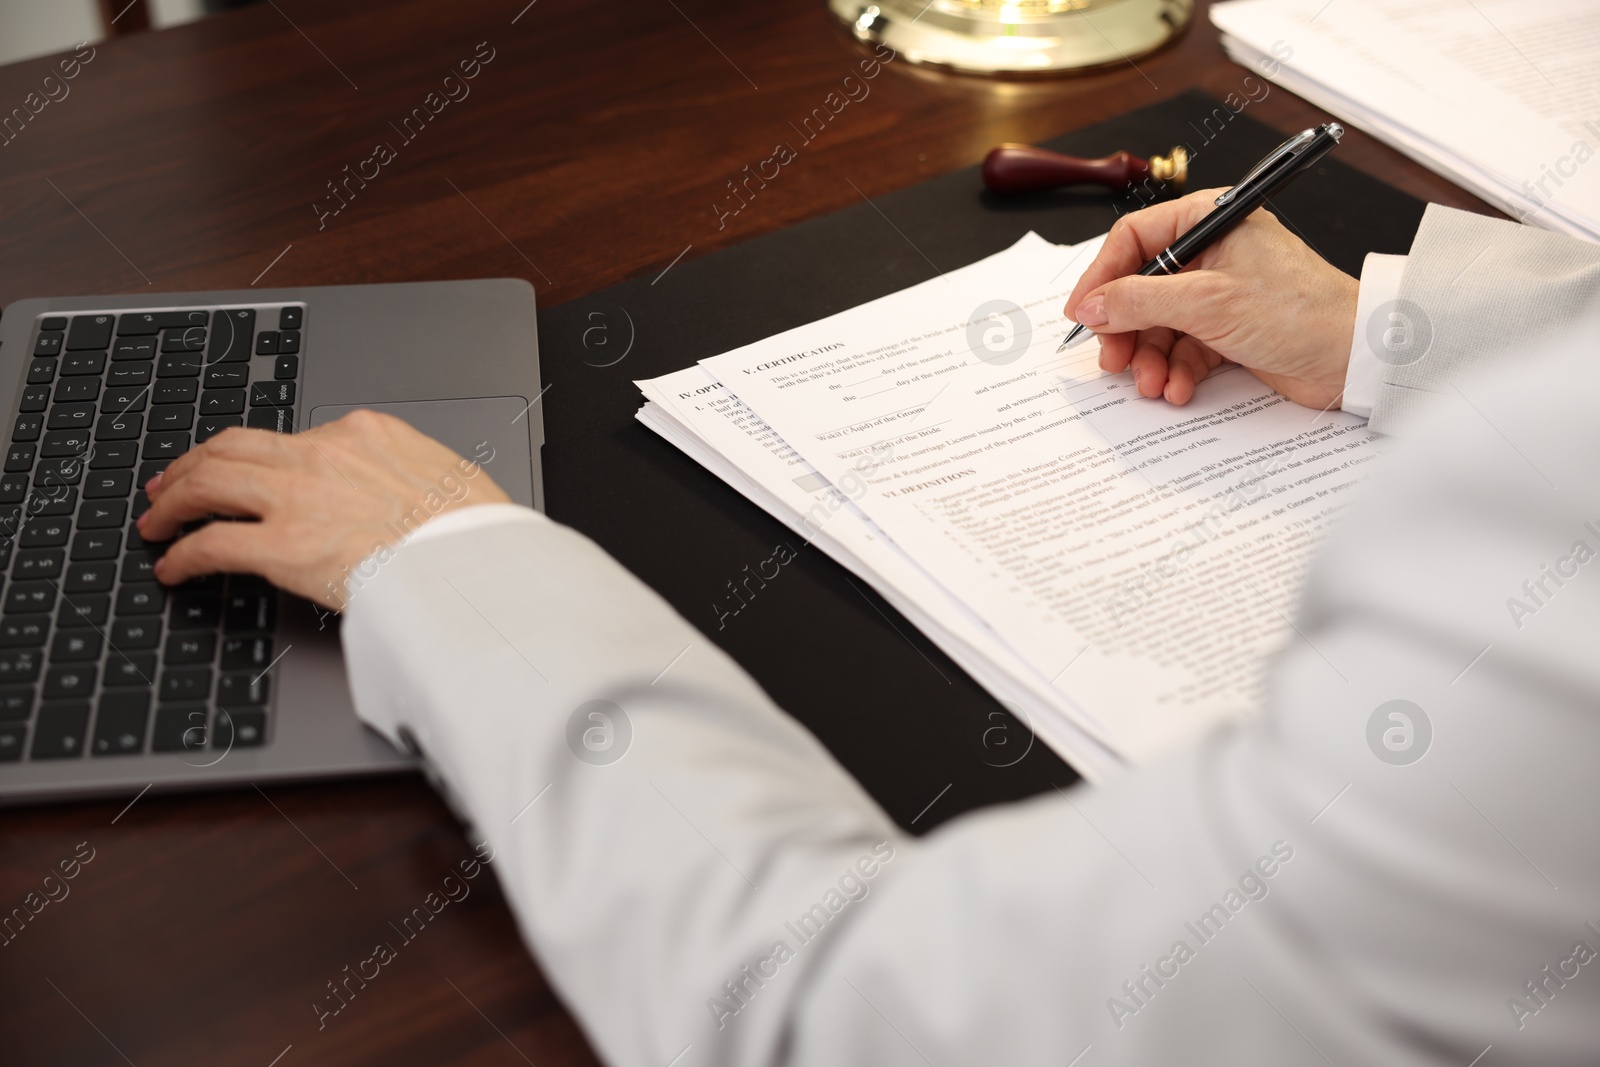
{"x": 591, "y": 148}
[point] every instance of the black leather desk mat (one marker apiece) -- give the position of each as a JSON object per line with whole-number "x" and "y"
{"x": 893, "y": 708}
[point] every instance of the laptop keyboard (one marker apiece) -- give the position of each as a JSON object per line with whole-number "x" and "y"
{"x": 97, "y": 659}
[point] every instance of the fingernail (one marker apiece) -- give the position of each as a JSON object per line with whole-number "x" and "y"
{"x": 1092, "y": 312}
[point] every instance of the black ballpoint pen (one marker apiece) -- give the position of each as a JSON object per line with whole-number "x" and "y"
{"x": 1279, "y": 168}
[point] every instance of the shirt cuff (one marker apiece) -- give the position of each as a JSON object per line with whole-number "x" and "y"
{"x": 1380, "y": 284}
{"x": 473, "y": 518}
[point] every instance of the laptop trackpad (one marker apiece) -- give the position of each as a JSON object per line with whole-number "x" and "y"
{"x": 491, "y": 430}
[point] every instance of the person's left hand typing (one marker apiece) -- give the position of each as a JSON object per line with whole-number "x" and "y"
{"x": 326, "y": 499}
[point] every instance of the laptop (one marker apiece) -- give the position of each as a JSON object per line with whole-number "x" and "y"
{"x": 110, "y": 682}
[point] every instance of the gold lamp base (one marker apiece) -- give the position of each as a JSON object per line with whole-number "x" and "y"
{"x": 1016, "y": 37}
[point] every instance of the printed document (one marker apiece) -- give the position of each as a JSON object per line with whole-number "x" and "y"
{"x": 1126, "y": 565}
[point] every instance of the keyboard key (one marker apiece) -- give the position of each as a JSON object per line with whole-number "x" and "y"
{"x": 148, "y": 471}
{"x": 140, "y": 600}
{"x": 131, "y": 635}
{"x": 238, "y": 729}
{"x": 87, "y": 609}
{"x": 97, "y": 544}
{"x": 11, "y": 738}
{"x": 179, "y": 365}
{"x": 49, "y": 343}
{"x": 172, "y": 416}
{"x": 117, "y": 483}
{"x": 141, "y": 504}
{"x": 289, "y": 342}
{"x": 228, "y": 376}
{"x": 133, "y": 348}
{"x": 139, "y": 565}
{"x": 124, "y": 398}
{"x": 267, "y": 343}
{"x": 27, "y": 427}
{"x": 174, "y": 391}
{"x": 23, "y": 631}
{"x": 148, "y": 322}
{"x": 249, "y": 610}
{"x": 10, "y": 521}
{"x": 136, "y": 541}
{"x": 34, "y": 398}
{"x": 231, "y": 334}
{"x": 126, "y": 426}
{"x": 72, "y": 680}
{"x": 67, "y": 470}
{"x": 90, "y": 331}
{"x": 278, "y": 420}
{"x": 70, "y": 416}
{"x": 30, "y": 598}
{"x": 16, "y": 701}
{"x": 222, "y": 402}
{"x": 61, "y": 730}
{"x": 70, "y": 389}
{"x": 119, "y": 727}
{"x": 243, "y": 688}
{"x": 129, "y": 374}
{"x": 82, "y": 366}
{"x": 41, "y": 372}
{"x": 19, "y": 458}
{"x": 114, "y": 454}
{"x": 211, "y": 425}
{"x": 179, "y": 728}
{"x": 289, "y": 318}
{"x": 271, "y": 394}
{"x": 18, "y": 665}
{"x": 286, "y": 368}
{"x": 93, "y": 577}
{"x": 72, "y": 646}
{"x": 64, "y": 443}
{"x": 12, "y": 488}
{"x": 185, "y": 684}
{"x": 186, "y": 648}
{"x": 50, "y": 501}
{"x": 124, "y": 668}
{"x": 195, "y": 608}
{"x": 56, "y": 323}
{"x": 38, "y": 563}
{"x": 169, "y": 444}
{"x": 246, "y": 653}
{"x": 189, "y": 339}
{"x": 102, "y": 514}
{"x": 44, "y": 533}
{"x": 137, "y": 324}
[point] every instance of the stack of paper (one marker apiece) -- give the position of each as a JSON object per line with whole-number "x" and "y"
{"x": 1500, "y": 96}
{"x": 1111, "y": 568}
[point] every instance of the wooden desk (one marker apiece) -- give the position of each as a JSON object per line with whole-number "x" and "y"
{"x": 591, "y": 148}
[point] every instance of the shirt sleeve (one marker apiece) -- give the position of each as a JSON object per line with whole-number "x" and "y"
{"x": 1380, "y": 284}
{"x": 1387, "y": 866}
{"x": 477, "y": 517}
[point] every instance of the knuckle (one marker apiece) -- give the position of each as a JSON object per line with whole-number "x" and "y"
{"x": 364, "y": 420}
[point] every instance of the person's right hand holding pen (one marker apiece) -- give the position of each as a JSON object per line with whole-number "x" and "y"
{"x": 1258, "y": 297}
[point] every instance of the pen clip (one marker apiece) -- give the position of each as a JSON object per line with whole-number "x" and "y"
{"x": 1292, "y": 147}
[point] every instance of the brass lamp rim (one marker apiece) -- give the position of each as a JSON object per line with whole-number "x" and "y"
{"x": 1014, "y": 38}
